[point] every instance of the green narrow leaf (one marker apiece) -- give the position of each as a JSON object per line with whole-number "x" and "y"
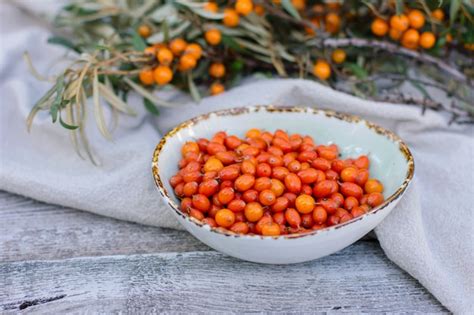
{"x": 231, "y": 43}
{"x": 399, "y": 7}
{"x": 66, "y": 125}
{"x": 193, "y": 89}
{"x": 288, "y": 6}
{"x": 138, "y": 42}
{"x": 357, "y": 70}
{"x": 453, "y": 10}
{"x": 151, "y": 107}
{"x": 58, "y": 40}
{"x": 166, "y": 31}
{"x": 57, "y": 100}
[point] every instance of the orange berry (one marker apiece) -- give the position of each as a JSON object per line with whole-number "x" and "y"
{"x": 151, "y": 50}
{"x": 410, "y": 39}
{"x": 259, "y": 10}
{"x": 379, "y": 27}
{"x": 253, "y": 211}
{"x": 299, "y": 4}
{"x": 400, "y": 22}
{"x": 162, "y": 75}
{"x": 373, "y": 185}
{"x": 216, "y": 88}
{"x": 449, "y": 38}
{"x": 231, "y": 18}
{"x": 213, "y": 37}
{"x": 225, "y": 218}
{"x": 144, "y": 31}
{"x": 217, "y": 70}
{"x": 211, "y": 7}
{"x": 243, "y": 7}
{"x": 304, "y": 203}
{"x": 177, "y": 46}
{"x": 438, "y": 14}
{"x": 187, "y": 62}
{"x": 332, "y": 23}
{"x": 322, "y": 70}
{"x": 146, "y": 77}
{"x": 427, "y": 40}
{"x": 416, "y": 18}
{"x": 338, "y": 56}
{"x": 164, "y": 56}
{"x": 194, "y": 50}
{"x": 271, "y": 229}
{"x": 253, "y": 133}
{"x": 395, "y": 34}
{"x": 213, "y": 165}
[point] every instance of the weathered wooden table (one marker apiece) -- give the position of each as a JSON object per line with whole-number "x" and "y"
{"x": 54, "y": 259}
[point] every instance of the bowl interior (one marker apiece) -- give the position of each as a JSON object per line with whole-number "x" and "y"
{"x": 390, "y": 160}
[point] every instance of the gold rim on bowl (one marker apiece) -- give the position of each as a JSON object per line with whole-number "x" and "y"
{"x": 278, "y": 109}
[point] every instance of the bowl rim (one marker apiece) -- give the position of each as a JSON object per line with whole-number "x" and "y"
{"x": 405, "y": 151}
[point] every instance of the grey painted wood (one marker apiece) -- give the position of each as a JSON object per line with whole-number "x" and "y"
{"x": 35, "y": 230}
{"x": 55, "y": 259}
{"x": 356, "y": 279}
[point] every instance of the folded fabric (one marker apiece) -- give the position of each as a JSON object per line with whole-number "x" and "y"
{"x": 430, "y": 233}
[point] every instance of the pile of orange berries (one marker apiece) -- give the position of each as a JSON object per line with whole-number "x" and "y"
{"x": 272, "y": 183}
{"x": 407, "y": 28}
{"x": 177, "y": 55}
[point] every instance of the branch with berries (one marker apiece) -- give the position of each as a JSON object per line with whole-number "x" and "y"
{"x": 205, "y": 47}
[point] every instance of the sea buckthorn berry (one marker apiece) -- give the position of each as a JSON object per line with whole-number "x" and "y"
{"x": 322, "y": 70}
{"x": 281, "y": 204}
{"x": 349, "y": 174}
{"x": 196, "y": 214}
{"x": 275, "y": 161}
{"x": 229, "y": 173}
{"x": 304, "y": 203}
{"x": 362, "y": 177}
{"x": 178, "y": 190}
{"x": 175, "y": 180}
{"x": 308, "y": 176}
{"x": 267, "y": 197}
{"x": 321, "y": 164}
{"x": 213, "y": 37}
{"x": 146, "y": 77}
{"x": 225, "y": 218}
{"x": 395, "y": 34}
{"x": 231, "y": 18}
{"x": 213, "y": 148}
{"x": 305, "y": 166}
{"x": 373, "y": 185}
{"x": 268, "y": 229}
{"x": 226, "y": 195}
{"x": 338, "y": 198}
{"x": 162, "y": 75}
{"x": 240, "y": 217}
{"x": 333, "y": 220}
{"x": 329, "y": 204}
{"x": 211, "y": 7}
{"x": 144, "y": 31}
{"x": 307, "y": 220}
{"x": 350, "y": 203}
{"x": 202, "y": 144}
{"x": 291, "y": 198}
{"x": 259, "y": 10}
{"x": 264, "y": 170}
{"x": 306, "y": 189}
{"x": 217, "y": 70}
{"x": 400, "y": 22}
{"x": 363, "y": 199}
{"x": 189, "y": 147}
{"x": 244, "y": 7}
{"x": 247, "y": 167}
{"x": 293, "y": 183}
{"x": 438, "y": 15}
{"x": 244, "y": 182}
{"x": 294, "y": 166}
{"x": 427, "y": 40}
{"x": 379, "y": 27}
{"x": 331, "y": 175}
{"x": 279, "y": 218}
{"x": 293, "y": 217}
{"x": 320, "y": 215}
{"x": 216, "y": 88}
{"x": 283, "y": 144}
{"x": 201, "y": 202}
{"x": 375, "y": 199}
{"x": 416, "y": 18}
{"x": 327, "y": 153}
{"x": 262, "y": 183}
{"x": 236, "y": 205}
{"x": 213, "y": 164}
{"x": 338, "y": 56}
{"x": 208, "y": 187}
{"x": 177, "y": 46}
{"x": 232, "y": 142}
{"x": 186, "y": 203}
{"x": 226, "y": 157}
{"x": 351, "y": 189}
{"x": 250, "y": 195}
{"x": 277, "y": 187}
{"x": 164, "y": 56}
{"x": 240, "y": 228}
{"x": 410, "y": 39}
{"x": 362, "y": 162}
{"x": 346, "y": 217}
{"x": 187, "y": 62}
{"x": 194, "y": 176}
{"x": 150, "y": 51}
{"x": 214, "y": 208}
{"x": 280, "y": 172}
{"x": 307, "y": 156}
{"x": 332, "y": 23}
{"x": 253, "y": 211}
{"x": 194, "y": 50}
{"x": 209, "y": 221}
{"x": 325, "y": 188}
{"x": 357, "y": 212}
{"x": 253, "y": 133}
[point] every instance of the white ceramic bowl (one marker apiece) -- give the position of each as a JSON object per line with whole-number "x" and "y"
{"x": 391, "y": 162}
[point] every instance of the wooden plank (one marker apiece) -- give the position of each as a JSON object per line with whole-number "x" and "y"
{"x": 32, "y": 230}
{"x": 359, "y": 278}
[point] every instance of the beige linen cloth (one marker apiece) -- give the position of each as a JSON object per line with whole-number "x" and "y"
{"x": 429, "y": 234}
